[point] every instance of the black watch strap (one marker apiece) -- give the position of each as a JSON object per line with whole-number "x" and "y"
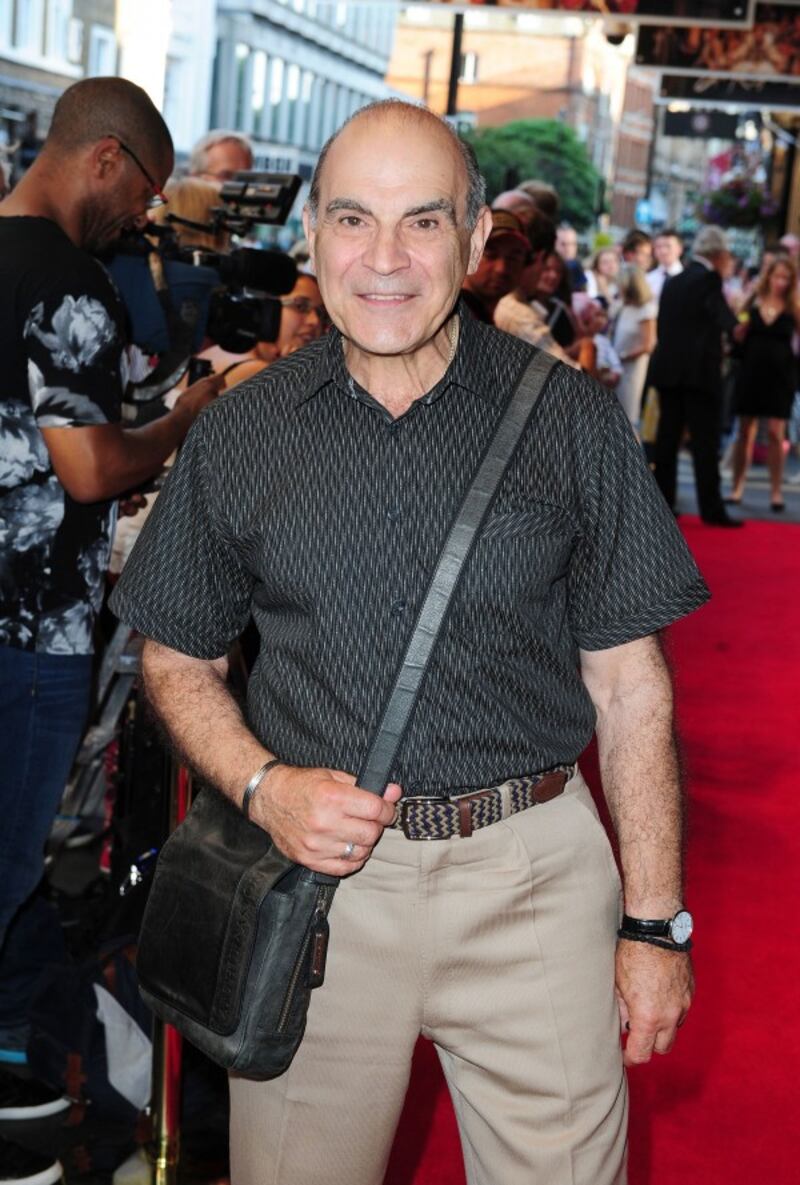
{"x": 652, "y": 927}
{"x": 652, "y": 940}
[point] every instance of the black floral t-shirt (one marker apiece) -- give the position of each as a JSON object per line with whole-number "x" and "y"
{"x": 62, "y": 345}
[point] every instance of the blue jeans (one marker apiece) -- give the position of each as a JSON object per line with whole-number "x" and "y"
{"x": 44, "y": 701}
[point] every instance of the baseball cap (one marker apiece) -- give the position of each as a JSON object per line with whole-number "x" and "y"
{"x": 506, "y": 223}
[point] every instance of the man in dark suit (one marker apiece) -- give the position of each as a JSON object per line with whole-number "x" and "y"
{"x": 687, "y": 370}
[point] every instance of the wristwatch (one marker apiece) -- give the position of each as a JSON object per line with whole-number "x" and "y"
{"x": 677, "y": 929}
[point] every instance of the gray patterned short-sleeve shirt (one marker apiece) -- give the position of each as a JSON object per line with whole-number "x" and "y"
{"x": 297, "y": 499}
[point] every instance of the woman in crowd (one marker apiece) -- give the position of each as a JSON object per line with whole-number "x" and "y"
{"x": 303, "y": 320}
{"x": 634, "y": 337}
{"x": 554, "y": 296}
{"x": 601, "y": 276}
{"x": 767, "y": 375}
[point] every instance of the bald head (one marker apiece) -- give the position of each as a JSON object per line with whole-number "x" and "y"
{"x": 99, "y": 107}
{"x": 517, "y": 202}
{"x": 544, "y": 196}
{"x": 407, "y": 117}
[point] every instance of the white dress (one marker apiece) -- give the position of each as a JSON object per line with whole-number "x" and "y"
{"x": 627, "y": 336}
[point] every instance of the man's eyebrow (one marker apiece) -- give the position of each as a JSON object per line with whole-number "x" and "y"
{"x": 438, "y": 205}
{"x": 346, "y": 203}
{"x": 443, "y": 205}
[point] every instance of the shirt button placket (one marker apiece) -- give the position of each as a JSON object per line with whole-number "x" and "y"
{"x": 394, "y": 515}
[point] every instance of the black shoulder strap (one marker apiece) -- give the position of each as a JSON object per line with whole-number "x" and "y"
{"x": 397, "y": 713}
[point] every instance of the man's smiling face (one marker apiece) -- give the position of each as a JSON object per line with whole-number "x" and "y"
{"x": 390, "y": 245}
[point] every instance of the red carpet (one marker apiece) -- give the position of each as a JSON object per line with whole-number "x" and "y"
{"x": 724, "y": 1107}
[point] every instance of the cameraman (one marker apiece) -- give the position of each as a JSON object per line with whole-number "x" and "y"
{"x": 65, "y": 458}
{"x": 302, "y": 317}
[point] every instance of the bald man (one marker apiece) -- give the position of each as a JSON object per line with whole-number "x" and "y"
{"x": 335, "y": 477}
{"x": 519, "y": 203}
{"x": 64, "y": 459}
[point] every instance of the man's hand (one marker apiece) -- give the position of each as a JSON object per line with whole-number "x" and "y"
{"x": 200, "y": 394}
{"x": 313, "y": 814}
{"x": 654, "y": 989}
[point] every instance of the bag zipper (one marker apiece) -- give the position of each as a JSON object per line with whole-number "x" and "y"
{"x": 321, "y": 906}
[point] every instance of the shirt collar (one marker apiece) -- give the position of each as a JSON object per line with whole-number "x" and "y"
{"x": 464, "y": 371}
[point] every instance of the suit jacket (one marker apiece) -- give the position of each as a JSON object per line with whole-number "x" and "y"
{"x": 692, "y": 317}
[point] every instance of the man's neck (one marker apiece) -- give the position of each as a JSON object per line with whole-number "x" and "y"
{"x": 31, "y": 198}
{"x": 398, "y": 380}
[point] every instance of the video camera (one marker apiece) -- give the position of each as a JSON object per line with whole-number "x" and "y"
{"x": 195, "y": 292}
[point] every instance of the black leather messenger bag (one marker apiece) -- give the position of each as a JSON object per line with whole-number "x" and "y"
{"x": 234, "y": 935}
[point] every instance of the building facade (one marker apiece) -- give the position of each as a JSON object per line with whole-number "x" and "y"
{"x": 289, "y": 72}
{"x": 45, "y": 46}
{"x": 633, "y": 163}
{"x": 285, "y": 72}
{"x": 518, "y": 66}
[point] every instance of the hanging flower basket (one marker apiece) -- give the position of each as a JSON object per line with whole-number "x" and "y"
{"x": 740, "y": 202}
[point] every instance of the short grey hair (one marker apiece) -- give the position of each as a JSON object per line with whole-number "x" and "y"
{"x": 709, "y": 241}
{"x": 199, "y": 155}
{"x": 476, "y": 185}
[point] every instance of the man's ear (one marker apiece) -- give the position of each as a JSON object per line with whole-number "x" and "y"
{"x": 105, "y": 156}
{"x": 483, "y": 228}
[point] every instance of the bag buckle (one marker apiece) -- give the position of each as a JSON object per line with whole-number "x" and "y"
{"x": 417, "y": 801}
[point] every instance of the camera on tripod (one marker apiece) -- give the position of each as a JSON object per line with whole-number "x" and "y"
{"x": 179, "y": 294}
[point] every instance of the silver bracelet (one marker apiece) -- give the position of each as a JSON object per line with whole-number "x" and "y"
{"x": 254, "y": 783}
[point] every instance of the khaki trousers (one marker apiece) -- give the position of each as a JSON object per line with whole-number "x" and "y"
{"x": 500, "y": 949}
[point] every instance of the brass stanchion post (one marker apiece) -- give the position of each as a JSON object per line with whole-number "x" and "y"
{"x": 166, "y": 1103}
{"x": 167, "y": 1080}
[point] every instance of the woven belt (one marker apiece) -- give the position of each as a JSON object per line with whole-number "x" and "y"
{"x": 439, "y": 816}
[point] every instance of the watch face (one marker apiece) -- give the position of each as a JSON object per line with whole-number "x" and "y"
{"x": 682, "y": 926}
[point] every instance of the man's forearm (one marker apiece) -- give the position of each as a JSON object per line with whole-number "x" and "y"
{"x": 101, "y": 461}
{"x": 146, "y": 449}
{"x": 317, "y": 817}
{"x": 642, "y": 783}
{"x": 204, "y": 721}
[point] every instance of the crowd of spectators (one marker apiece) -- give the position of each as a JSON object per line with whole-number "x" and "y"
{"x": 732, "y": 356}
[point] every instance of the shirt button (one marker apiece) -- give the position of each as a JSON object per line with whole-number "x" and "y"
{"x": 394, "y": 428}
{"x": 394, "y": 514}
{"x": 398, "y": 607}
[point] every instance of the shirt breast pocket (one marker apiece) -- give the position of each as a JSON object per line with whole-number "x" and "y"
{"x": 524, "y": 551}
{"x": 536, "y": 522}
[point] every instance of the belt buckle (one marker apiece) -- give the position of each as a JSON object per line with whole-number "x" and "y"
{"x": 412, "y": 800}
